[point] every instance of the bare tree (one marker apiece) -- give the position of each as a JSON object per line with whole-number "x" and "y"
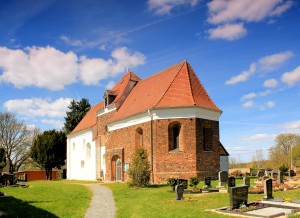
{"x": 258, "y": 159}
{"x": 16, "y": 139}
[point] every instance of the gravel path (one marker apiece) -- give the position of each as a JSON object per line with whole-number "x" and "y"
{"x": 102, "y": 204}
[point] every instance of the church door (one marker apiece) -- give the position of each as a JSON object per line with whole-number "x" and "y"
{"x": 116, "y": 168}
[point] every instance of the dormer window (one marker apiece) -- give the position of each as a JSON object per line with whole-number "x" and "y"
{"x": 109, "y": 97}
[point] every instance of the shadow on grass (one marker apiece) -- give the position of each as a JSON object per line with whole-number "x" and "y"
{"x": 157, "y": 185}
{"x": 13, "y": 207}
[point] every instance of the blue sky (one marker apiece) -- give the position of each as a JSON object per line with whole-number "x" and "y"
{"x": 246, "y": 54}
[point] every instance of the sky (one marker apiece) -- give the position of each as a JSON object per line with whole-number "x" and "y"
{"x": 246, "y": 54}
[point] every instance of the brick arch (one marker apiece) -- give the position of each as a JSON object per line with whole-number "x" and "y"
{"x": 139, "y": 137}
{"x": 174, "y": 133}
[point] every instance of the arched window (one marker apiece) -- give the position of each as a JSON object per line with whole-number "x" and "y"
{"x": 73, "y": 146}
{"x": 207, "y": 139}
{"x": 88, "y": 151}
{"x": 139, "y": 137}
{"x": 174, "y": 135}
{"x": 82, "y": 164}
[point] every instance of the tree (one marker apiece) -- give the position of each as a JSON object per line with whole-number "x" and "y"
{"x": 258, "y": 159}
{"x": 49, "y": 150}
{"x": 2, "y": 159}
{"x": 139, "y": 170}
{"x": 16, "y": 138}
{"x": 285, "y": 149}
{"x": 77, "y": 110}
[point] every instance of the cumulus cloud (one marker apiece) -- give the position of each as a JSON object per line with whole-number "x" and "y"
{"x": 271, "y": 62}
{"x": 162, "y": 7}
{"x": 57, "y": 124}
{"x": 270, "y": 83}
{"x": 292, "y": 126}
{"x": 228, "y": 32}
{"x": 93, "y": 70}
{"x": 243, "y": 76}
{"x": 38, "y": 107}
{"x": 248, "y": 104}
{"x": 269, "y": 104}
{"x": 292, "y": 77}
{"x": 265, "y": 93}
{"x": 230, "y": 12}
{"x": 248, "y": 96}
{"x": 47, "y": 67}
{"x": 38, "y": 66}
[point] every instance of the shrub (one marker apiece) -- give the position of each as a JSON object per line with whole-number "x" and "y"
{"x": 283, "y": 168}
{"x": 139, "y": 172}
{"x": 172, "y": 182}
{"x": 194, "y": 181}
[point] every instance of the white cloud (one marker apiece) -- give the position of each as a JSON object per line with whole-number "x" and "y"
{"x": 110, "y": 85}
{"x": 269, "y": 104}
{"x": 271, "y": 62}
{"x": 270, "y": 83}
{"x": 47, "y": 67}
{"x": 291, "y": 78}
{"x": 260, "y": 138}
{"x": 93, "y": 70}
{"x": 292, "y": 126}
{"x": 265, "y": 93}
{"x": 248, "y": 96}
{"x": 243, "y": 76}
{"x": 72, "y": 42}
{"x": 37, "y": 107}
{"x": 248, "y": 104}
{"x": 57, "y": 124}
{"x": 222, "y": 11}
{"x": 162, "y": 7}
{"x": 38, "y": 66}
{"x": 228, "y": 32}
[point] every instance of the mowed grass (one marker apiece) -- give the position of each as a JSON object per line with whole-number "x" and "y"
{"x": 158, "y": 201}
{"x": 46, "y": 199}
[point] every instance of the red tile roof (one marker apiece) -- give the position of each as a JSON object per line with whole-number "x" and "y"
{"x": 90, "y": 119}
{"x": 176, "y": 86}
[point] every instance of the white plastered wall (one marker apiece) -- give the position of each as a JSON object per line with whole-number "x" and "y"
{"x": 81, "y": 156}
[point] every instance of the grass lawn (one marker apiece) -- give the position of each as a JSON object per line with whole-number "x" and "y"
{"x": 157, "y": 201}
{"x": 46, "y": 199}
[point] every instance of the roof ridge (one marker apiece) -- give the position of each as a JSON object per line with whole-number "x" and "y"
{"x": 182, "y": 63}
{"x": 190, "y": 83}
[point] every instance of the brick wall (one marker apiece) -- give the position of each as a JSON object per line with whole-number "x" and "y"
{"x": 188, "y": 161}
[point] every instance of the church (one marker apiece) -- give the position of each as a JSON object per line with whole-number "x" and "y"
{"x": 170, "y": 114}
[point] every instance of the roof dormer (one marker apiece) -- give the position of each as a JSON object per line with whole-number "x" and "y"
{"x": 109, "y": 97}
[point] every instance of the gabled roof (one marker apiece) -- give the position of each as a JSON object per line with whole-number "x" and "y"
{"x": 89, "y": 120}
{"x": 176, "y": 86}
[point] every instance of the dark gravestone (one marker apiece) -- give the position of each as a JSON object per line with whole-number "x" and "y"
{"x": 179, "y": 189}
{"x": 238, "y": 195}
{"x": 231, "y": 182}
{"x": 268, "y": 189}
{"x": 207, "y": 181}
{"x": 280, "y": 177}
{"x": 274, "y": 175}
{"x": 184, "y": 182}
{"x": 291, "y": 173}
{"x": 260, "y": 173}
{"x": 246, "y": 181}
{"x": 223, "y": 178}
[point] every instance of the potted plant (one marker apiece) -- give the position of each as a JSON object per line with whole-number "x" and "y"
{"x": 194, "y": 181}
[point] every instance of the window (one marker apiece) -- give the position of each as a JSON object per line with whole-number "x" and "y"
{"x": 73, "y": 146}
{"x": 207, "y": 139}
{"x": 139, "y": 137}
{"x": 88, "y": 151}
{"x": 82, "y": 164}
{"x": 174, "y": 136}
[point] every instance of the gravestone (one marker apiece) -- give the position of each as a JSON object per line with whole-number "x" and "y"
{"x": 184, "y": 182}
{"x": 246, "y": 181}
{"x": 238, "y": 195}
{"x": 223, "y": 178}
{"x": 207, "y": 181}
{"x": 179, "y": 189}
{"x": 260, "y": 174}
{"x": 291, "y": 173}
{"x": 268, "y": 189}
{"x": 274, "y": 175}
{"x": 231, "y": 182}
{"x": 280, "y": 177}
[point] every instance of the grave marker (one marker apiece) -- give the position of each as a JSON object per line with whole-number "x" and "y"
{"x": 223, "y": 178}
{"x": 268, "y": 189}
{"x": 246, "y": 181}
{"x": 231, "y": 182}
{"x": 280, "y": 177}
{"x": 291, "y": 173}
{"x": 207, "y": 181}
{"x": 238, "y": 195}
{"x": 179, "y": 189}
